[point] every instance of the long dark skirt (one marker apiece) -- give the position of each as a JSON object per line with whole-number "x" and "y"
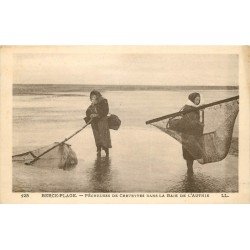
{"x": 101, "y": 132}
{"x": 192, "y": 147}
{"x": 186, "y": 155}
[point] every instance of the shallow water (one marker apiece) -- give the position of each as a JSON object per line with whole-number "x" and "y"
{"x": 143, "y": 159}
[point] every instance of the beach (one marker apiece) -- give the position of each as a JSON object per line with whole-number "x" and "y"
{"x": 142, "y": 158}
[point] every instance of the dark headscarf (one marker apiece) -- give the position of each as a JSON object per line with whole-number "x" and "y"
{"x": 96, "y": 93}
{"x": 192, "y": 96}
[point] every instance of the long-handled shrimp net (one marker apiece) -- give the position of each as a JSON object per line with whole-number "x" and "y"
{"x": 210, "y": 143}
{"x": 57, "y": 153}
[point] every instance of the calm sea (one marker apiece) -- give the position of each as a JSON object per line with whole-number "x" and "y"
{"x": 143, "y": 159}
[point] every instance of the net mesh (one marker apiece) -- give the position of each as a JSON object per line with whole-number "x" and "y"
{"x": 62, "y": 156}
{"x": 209, "y": 139}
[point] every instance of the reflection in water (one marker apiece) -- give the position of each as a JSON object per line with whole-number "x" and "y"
{"x": 54, "y": 163}
{"x": 189, "y": 183}
{"x": 100, "y": 176}
{"x": 198, "y": 182}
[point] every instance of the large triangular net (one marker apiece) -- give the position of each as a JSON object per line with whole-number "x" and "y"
{"x": 209, "y": 142}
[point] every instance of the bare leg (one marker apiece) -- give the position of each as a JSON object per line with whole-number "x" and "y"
{"x": 106, "y": 151}
{"x": 190, "y": 166}
{"x": 99, "y": 148}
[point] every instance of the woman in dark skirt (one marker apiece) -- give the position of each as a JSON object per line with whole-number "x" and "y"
{"x": 97, "y": 112}
{"x": 193, "y": 126}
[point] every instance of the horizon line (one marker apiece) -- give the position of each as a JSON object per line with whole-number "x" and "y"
{"x": 160, "y": 85}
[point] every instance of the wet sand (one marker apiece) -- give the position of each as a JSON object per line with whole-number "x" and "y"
{"x": 143, "y": 159}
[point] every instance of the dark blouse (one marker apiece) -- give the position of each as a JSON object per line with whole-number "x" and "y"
{"x": 191, "y": 121}
{"x": 101, "y": 109}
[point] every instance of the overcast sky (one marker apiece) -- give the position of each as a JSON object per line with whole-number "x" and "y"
{"x": 129, "y": 69}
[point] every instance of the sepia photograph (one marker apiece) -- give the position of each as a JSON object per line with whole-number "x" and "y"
{"x": 125, "y": 122}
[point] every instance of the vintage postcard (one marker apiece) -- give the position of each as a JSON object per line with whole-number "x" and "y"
{"x": 125, "y": 124}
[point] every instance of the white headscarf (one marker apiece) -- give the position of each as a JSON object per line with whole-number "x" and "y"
{"x": 190, "y": 103}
